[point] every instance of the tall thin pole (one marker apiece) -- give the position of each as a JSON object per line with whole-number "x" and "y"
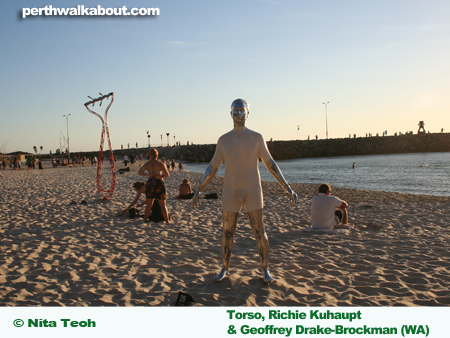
{"x": 326, "y": 116}
{"x": 167, "y": 138}
{"x": 68, "y": 143}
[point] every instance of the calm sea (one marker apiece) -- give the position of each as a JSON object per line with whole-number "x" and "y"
{"x": 420, "y": 173}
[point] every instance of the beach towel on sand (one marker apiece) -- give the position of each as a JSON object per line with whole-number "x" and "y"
{"x": 330, "y": 231}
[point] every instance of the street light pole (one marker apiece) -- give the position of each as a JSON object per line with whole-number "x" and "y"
{"x": 161, "y": 141}
{"x": 326, "y": 116}
{"x": 68, "y": 144}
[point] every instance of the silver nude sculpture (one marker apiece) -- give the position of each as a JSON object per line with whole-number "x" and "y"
{"x": 241, "y": 149}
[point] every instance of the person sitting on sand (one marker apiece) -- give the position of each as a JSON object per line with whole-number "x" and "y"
{"x": 140, "y": 189}
{"x": 328, "y": 212}
{"x": 185, "y": 190}
{"x": 156, "y": 188}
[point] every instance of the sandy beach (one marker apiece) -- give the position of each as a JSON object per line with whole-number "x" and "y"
{"x": 53, "y": 253}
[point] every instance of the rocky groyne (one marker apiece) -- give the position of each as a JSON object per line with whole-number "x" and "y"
{"x": 361, "y": 146}
{"x": 283, "y": 150}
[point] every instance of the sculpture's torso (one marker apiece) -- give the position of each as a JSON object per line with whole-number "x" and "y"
{"x": 241, "y": 151}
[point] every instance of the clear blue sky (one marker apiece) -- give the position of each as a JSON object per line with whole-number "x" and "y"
{"x": 382, "y": 65}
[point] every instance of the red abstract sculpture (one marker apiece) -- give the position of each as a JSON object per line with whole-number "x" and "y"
{"x": 104, "y": 194}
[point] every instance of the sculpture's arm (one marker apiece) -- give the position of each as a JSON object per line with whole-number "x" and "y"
{"x": 207, "y": 177}
{"x": 273, "y": 168}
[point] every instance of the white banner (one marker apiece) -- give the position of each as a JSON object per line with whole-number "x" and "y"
{"x": 223, "y": 322}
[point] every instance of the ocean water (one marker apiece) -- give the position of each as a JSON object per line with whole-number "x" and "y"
{"x": 419, "y": 173}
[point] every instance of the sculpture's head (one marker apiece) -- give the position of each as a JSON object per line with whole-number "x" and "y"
{"x": 239, "y": 111}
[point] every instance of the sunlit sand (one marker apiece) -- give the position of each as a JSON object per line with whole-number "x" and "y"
{"x": 55, "y": 253}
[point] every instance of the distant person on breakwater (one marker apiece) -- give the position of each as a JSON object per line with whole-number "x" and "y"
{"x": 328, "y": 212}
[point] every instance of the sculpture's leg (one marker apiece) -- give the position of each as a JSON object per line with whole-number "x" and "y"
{"x": 262, "y": 242}
{"x": 229, "y": 229}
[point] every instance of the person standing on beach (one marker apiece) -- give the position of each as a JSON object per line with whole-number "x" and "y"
{"x": 241, "y": 149}
{"x": 328, "y": 212}
{"x": 29, "y": 162}
{"x": 156, "y": 171}
{"x": 125, "y": 160}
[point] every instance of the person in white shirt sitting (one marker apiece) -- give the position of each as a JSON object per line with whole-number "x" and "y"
{"x": 328, "y": 212}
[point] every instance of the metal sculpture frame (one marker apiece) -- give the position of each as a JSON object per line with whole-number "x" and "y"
{"x": 104, "y": 194}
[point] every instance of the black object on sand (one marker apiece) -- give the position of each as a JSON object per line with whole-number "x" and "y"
{"x": 184, "y": 299}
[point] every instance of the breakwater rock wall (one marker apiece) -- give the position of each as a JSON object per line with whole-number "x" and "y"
{"x": 361, "y": 146}
{"x": 283, "y": 150}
